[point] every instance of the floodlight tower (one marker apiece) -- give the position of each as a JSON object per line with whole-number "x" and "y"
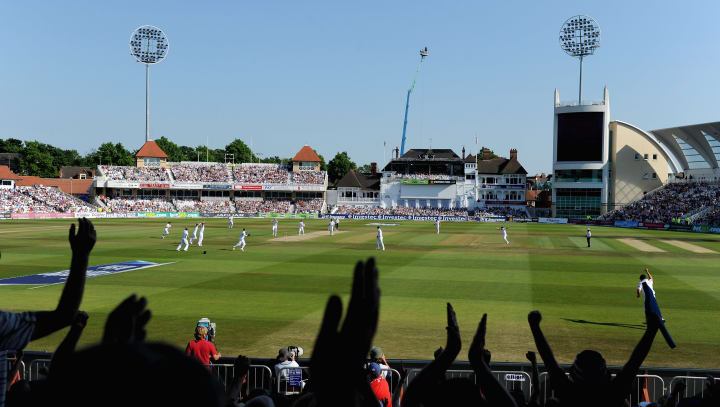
{"x": 580, "y": 37}
{"x": 148, "y": 45}
{"x": 423, "y": 54}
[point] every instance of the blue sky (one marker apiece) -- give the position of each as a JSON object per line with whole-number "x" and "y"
{"x": 281, "y": 74}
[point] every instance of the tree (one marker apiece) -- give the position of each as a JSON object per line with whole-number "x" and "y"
{"x": 242, "y": 152}
{"x": 188, "y": 153}
{"x": 11, "y": 145}
{"x": 323, "y": 165}
{"x": 492, "y": 153}
{"x": 171, "y": 149}
{"x": 37, "y": 160}
{"x": 110, "y": 154}
{"x": 275, "y": 160}
{"x": 339, "y": 166}
{"x": 365, "y": 169}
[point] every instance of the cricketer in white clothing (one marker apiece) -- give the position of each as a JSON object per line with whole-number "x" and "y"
{"x": 167, "y": 230}
{"x": 184, "y": 240}
{"x": 202, "y": 234}
{"x": 301, "y": 228}
{"x": 331, "y": 227}
{"x": 504, "y": 232}
{"x": 194, "y": 236}
{"x": 588, "y": 235}
{"x": 241, "y": 242}
{"x": 275, "y": 223}
{"x": 230, "y": 220}
{"x": 380, "y": 239}
{"x": 437, "y": 226}
{"x": 645, "y": 279}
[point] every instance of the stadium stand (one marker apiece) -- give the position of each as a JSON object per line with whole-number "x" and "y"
{"x": 309, "y": 206}
{"x": 401, "y": 210}
{"x": 41, "y": 199}
{"x": 309, "y": 177}
{"x": 674, "y": 201}
{"x": 261, "y": 173}
{"x": 134, "y": 173}
{"x": 124, "y": 205}
{"x": 199, "y": 172}
{"x": 214, "y": 206}
{"x": 261, "y": 206}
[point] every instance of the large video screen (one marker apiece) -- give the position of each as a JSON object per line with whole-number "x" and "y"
{"x": 580, "y": 136}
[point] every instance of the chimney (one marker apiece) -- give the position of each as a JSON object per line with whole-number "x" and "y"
{"x": 397, "y": 152}
{"x": 485, "y": 154}
{"x": 513, "y": 153}
{"x": 463, "y": 153}
{"x": 373, "y": 168}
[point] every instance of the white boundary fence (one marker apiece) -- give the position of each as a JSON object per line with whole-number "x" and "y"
{"x": 512, "y": 380}
{"x": 655, "y": 387}
{"x": 259, "y": 376}
{"x": 694, "y": 385}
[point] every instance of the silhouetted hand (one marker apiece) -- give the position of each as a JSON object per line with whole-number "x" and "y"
{"x": 352, "y": 341}
{"x": 534, "y": 318}
{"x": 126, "y": 323}
{"x": 453, "y": 343}
{"x": 80, "y": 320}
{"x": 83, "y": 242}
{"x": 476, "y": 354}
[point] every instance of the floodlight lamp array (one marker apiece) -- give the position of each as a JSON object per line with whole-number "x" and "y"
{"x": 580, "y": 36}
{"x": 148, "y": 44}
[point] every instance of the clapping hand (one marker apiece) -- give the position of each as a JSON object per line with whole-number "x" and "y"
{"x": 82, "y": 242}
{"x": 126, "y": 323}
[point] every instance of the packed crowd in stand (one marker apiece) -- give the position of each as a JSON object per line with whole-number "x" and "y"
{"x": 674, "y": 201}
{"x": 134, "y": 173}
{"x": 345, "y": 369}
{"x": 206, "y": 206}
{"x": 309, "y": 177}
{"x": 261, "y": 174}
{"x": 710, "y": 218}
{"x": 205, "y": 172}
{"x": 258, "y": 206}
{"x": 123, "y": 204}
{"x": 400, "y": 210}
{"x": 423, "y": 176}
{"x": 40, "y": 199}
{"x": 309, "y": 206}
{"x": 516, "y": 213}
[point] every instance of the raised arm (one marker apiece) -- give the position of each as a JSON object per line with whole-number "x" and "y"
{"x": 535, "y": 395}
{"x": 81, "y": 245}
{"x": 648, "y": 274}
{"x": 556, "y": 373}
{"x": 67, "y": 346}
{"x": 494, "y": 392}
{"x": 625, "y": 377}
{"x": 420, "y": 389}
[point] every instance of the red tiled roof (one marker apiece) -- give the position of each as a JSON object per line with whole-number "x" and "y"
{"x": 5, "y": 173}
{"x": 306, "y": 154}
{"x": 69, "y": 186}
{"x": 152, "y": 150}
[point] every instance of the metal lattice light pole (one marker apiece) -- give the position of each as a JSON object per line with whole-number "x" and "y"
{"x": 580, "y": 37}
{"x": 148, "y": 45}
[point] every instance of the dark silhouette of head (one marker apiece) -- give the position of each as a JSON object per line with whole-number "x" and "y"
{"x": 589, "y": 369}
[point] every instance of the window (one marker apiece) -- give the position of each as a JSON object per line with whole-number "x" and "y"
{"x": 645, "y": 176}
{"x": 645, "y": 156}
{"x": 637, "y": 156}
{"x": 654, "y": 175}
{"x": 654, "y": 156}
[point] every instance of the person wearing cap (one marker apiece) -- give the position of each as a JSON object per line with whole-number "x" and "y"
{"x": 377, "y": 356}
{"x": 379, "y": 385}
{"x": 285, "y": 359}
{"x": 587, "y": 236}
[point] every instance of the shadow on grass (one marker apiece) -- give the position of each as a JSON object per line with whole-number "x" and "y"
{"x": 616, "y": 324}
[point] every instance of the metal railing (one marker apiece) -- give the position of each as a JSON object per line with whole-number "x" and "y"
{"x": 694, "y": 386}
{"x": 36, "y": 366}
{"x": 653, "y": 384}
{"x": 259, "y": 376}
{"x": 291, "y": 380}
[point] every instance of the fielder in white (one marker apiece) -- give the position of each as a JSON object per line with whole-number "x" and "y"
{"x": 241, "y": 242}
{"x": 194, "y": 236}
{"x": 380, "y": 239}
{"x": 184, "y": 240}
{"x": 202, "y": 234}
{"x": 167, "y": 230}
{"x": 230, "y": 222}
{"x": 331, "y": 227}
{"x": 504, "y": 233}
{"x": 301, "y": 228}
{"x": 275, "y": 223}
{"x": 437, "y": 226}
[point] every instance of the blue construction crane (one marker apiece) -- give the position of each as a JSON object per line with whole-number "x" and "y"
{"x": 423, "y": 54}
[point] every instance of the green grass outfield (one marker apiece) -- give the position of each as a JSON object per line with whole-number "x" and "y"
{"x": 274, "y": 293}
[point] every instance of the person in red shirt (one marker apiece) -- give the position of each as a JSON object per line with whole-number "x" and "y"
{"x": 201, "y": 349}
{"x": 380, "y": 386}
